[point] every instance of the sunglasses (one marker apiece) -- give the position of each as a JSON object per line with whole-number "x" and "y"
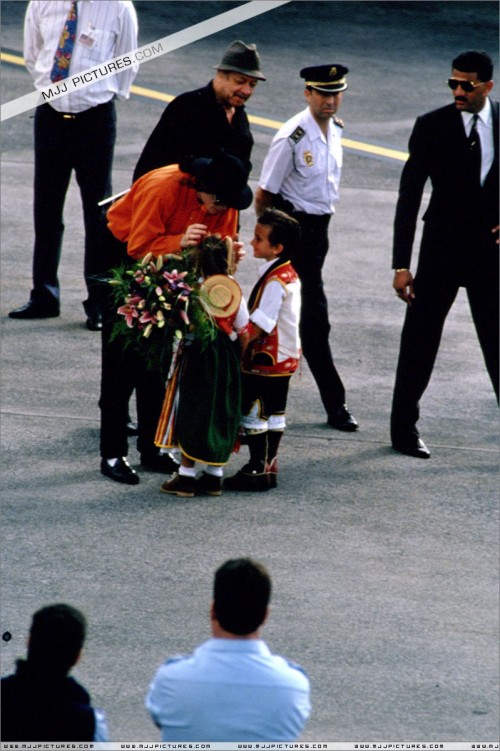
{"x": 216, "y": 200}
{"x": 467, "y": 86}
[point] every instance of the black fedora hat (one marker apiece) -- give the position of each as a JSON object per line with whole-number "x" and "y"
{"x": 223, "y": 175}
{"x": 242, "y": 58}
{"x": 327, "y": 78}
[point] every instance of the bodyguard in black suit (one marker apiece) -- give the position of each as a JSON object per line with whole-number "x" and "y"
{"x": 457, "y": 148}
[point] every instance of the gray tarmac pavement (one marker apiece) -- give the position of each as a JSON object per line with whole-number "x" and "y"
{"x": 384, "y": 567}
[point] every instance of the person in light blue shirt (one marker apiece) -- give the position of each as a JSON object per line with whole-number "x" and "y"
{"x": 232, "y": 688}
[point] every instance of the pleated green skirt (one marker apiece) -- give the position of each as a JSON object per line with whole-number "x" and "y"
{"x": 201, "y": 412}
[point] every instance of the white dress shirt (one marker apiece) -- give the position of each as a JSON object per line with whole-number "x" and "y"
{"x": 485, "y": 131}
{"x": 109, "y": 29}
{"x": 279, "y": 306}
{"x": 304, "y": 166}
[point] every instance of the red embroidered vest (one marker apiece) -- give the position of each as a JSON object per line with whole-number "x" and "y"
{"x": 261, "y": 356}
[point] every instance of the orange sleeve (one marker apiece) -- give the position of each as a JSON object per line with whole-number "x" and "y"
{"x": 151, "y": 211}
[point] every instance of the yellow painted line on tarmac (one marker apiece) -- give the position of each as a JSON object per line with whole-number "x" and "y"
{"x": 371, "y": 148}
{"x": 151, "y": 93}
{"x": 366, "y": 148}
{"x": 6, "y": 57}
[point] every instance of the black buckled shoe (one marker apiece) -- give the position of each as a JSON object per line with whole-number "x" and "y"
{"x": 342, "y": 420}
{"x": 121, "y": 471}
{"x": 247, "y": 480}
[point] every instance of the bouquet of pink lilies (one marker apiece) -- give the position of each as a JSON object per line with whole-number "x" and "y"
{"x": 157, "y": 301}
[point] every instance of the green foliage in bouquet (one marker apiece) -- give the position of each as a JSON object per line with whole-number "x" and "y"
{"x": 157, "y": 300}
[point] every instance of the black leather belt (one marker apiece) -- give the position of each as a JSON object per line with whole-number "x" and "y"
{"x": 320, "y": 219}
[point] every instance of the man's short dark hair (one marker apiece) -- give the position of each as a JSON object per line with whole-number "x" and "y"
{"x": 285, "y": 230}
{"x": 56, "y": 638}
{"x": 474, "y": 61}
{"x": 242, "y": 589}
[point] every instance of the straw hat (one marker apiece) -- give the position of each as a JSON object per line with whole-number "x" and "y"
{"x": 221, "y": 295}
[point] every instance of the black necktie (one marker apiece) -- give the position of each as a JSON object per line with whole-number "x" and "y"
{"x": 475, "y": 149}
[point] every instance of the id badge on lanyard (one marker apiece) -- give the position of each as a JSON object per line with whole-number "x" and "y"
{"x": 87, "y": 38}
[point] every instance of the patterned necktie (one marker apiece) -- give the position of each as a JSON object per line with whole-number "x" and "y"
{"x": 475, "y": 148}
{"x": 62, "y": 58}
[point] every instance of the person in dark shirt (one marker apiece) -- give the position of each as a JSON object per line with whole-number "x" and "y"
{"x": 40, "y": 702}
{"x": 204, "y": 121}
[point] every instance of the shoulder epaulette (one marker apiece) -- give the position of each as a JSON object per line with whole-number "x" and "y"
{"x": 297, "y": 134}
{"x": 338, "y": 122}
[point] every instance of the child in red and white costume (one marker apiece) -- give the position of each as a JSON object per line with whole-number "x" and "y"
{"x": 273, "y": 353}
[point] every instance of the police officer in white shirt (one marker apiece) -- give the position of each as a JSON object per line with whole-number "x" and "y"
{"x": 301, "y": 175}
{"x": 74, "y": 132}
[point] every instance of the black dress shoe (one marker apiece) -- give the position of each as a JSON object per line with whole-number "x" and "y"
{"x": 120, "y": 472}
{"x": 94, "y": 321}
{"x": 412, "y": 446}
{"x": 159, "y": 463}
{"x": 36, "y": 309}
{"x": 342, "y": 420}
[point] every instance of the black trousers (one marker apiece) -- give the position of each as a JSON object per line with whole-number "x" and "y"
{"x": 271, "y": 392}
{"x": 436, "y": 287}
{"x": 124, "y": 369}
{"x": 314, "y": 322}
{"x": 83, "y": 143}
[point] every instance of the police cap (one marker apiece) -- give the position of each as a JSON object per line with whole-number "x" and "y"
{"x": 327, "y": 78}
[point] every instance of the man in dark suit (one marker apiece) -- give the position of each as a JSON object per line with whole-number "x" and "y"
{"x": 457, "y": 148}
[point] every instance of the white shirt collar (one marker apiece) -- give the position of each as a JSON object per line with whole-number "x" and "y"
{"x": 265, "y": 266}
{"x": 484, "y": 115}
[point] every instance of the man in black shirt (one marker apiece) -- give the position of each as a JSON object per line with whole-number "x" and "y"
{"x": 206, "y": 120}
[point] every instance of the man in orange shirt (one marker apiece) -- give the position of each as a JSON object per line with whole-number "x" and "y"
{"x": 166, "y": 210}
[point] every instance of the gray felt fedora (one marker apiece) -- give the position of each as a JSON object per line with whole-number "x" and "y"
{"x": 242, "y": 58}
